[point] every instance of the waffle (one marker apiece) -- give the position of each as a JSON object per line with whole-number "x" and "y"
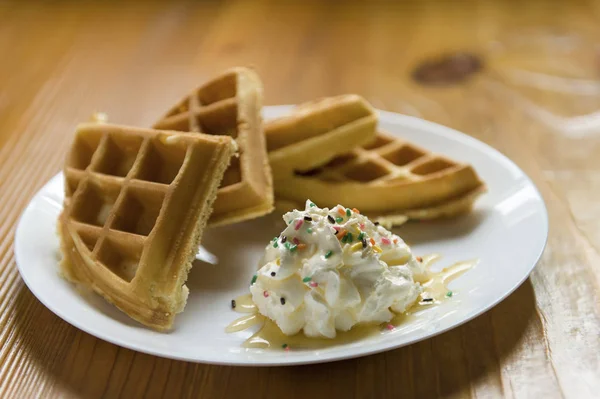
{"x": 388, "y": 179}
{"x": 230, "y": 105}
{"x": 137, "y": 202}
{"x": 317, "y": 131}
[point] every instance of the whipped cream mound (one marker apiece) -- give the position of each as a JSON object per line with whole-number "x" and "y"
{"x": 331, "y": 269}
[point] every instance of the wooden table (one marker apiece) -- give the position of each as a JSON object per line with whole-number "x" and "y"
{"x": 523, "y": 77}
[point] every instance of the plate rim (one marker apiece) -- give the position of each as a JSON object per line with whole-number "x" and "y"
{"x": 391, "y": 117}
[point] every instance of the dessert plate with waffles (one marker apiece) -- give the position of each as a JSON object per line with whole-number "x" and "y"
{"x": 232, "y": 233}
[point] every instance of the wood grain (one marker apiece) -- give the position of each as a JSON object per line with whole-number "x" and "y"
{"x": 536, "y": 99}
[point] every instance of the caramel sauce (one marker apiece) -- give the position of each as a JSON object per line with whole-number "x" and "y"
{"x": 435, "y": 286}
{"x": 244, "y": 304}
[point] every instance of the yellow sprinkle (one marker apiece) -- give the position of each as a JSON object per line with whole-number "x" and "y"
{"x": 377, "y": 249}
{"x": 356, "y": 246}
{"x": 278, "y": 261}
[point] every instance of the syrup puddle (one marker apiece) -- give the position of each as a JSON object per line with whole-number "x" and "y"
{"x": 435, "y": 292}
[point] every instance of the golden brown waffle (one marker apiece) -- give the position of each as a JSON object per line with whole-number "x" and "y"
{"x": 317, "y": 131}
{"x": 388, "y": 179}
{"x": 137, "y": 202}
{"x": 231, "y": 105}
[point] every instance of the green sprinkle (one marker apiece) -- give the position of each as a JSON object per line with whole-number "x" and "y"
{"x": 361, "y": 236}
{"x": 253, "y": 279}
{"x": 339, "y": 220}
{"x": 312, "y": 204}
{"x": 328, "y": 254}
{"x": 449, "y": 294}
{"x": 274, "y": 239}
{"x": 349, "y": 237}
{"x": 348, "y": 212}
{"x": 275, "y": 245}
{"x": 287, "y": 245}
{"x": 284, "y": 346}
{"x": 306, "y": 279}
{"x": 293, "y": 248}
{"x": 309, "y": 230}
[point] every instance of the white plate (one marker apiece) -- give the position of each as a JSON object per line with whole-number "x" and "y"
{"x": 507, "y": 231}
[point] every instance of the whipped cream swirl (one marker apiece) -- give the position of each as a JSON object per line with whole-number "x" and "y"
{"x": 331, "y": 269}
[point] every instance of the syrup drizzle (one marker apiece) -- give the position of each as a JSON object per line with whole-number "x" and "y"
{"x": 435, "y": 292}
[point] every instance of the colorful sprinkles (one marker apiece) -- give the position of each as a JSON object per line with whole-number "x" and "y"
{"x": 313, "y": 284}
{"x": 390, "y": 327}
{"x": 266, "y": 294}
{"x": 331, "y": 219}
{"x": 328, "y": 254}
{"x": 347, "y": 238}
{"x": 298, "y": 224}
{"x": 253, "y": 279}
{"x": 308, "y": 218}
{"x": 306, "y": 279}
{"x": 233, "y": 304}
{"x": 348, "y": 212}
{"x": 339, "y": 220}
{"x": 385, "y": 241}
{"x": 449, "y": 294}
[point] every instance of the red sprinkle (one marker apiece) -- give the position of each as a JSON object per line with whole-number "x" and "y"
{"x": 390, "y": 327}
{"x": 298, "y": 224}
{"x": 336, "y": 228}
{"x": 296, "y": 241}
{"x": 372, "y": 241}
{"x": 287, "y": 349}
{"x": 385, "y": 241}
{"x": 313, "y": 284}
{"x": 395, "y": 241}
{"x": 419, "y": 259}
{"x": 362, "y": 226}
{"x": 265, "y": 294}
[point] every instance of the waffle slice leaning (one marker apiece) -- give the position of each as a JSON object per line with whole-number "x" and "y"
{"x": 230, "y": 105}
{"x": 317, "y": 131}
{"x": 388, "y": 179}
{"x": 137, "y": 202}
